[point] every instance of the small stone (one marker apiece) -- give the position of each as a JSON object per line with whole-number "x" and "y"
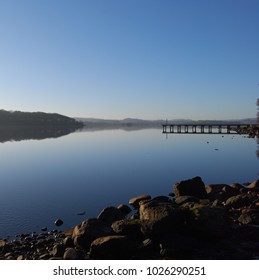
{"x": 59, "y": 222}
{"x": 44, "y": 229}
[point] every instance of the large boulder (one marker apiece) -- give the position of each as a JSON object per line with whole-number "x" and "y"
{"x": 110, "y": 214}
{"x": 158, "y": 218}
{"x": 191, "y": 187}
{"x": 89, "y": 230}
{"x": 130, "y": 227}
{"x": 209, "y": 222}
{"x": 112, "y": 247}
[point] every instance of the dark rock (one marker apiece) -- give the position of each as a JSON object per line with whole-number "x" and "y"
{"x": 238, "y": 201}
{"x": 124, "y": 209}
{"x": 157, "y": 218}
{"x": 131, "y": 228}
{"x": 162, "y": 198}
{"x": 59, "y": 222}
{"x": 215, "y": 191}
{"x": 58, "y": 250}
{"x": 68, "y": 241}
{"x": 112, "y": 247}
{"x": 110, "y": 215}
{"x": 236, "y": 186}
{"x": 89, "y": 230}
{"x": 230, "y": 191}
{"x": 45, "y": 256}
{"x": 192, "y": 187}
{"x": 209, "y": 222}
{"x": 254, "y": 185}
{"x": 135, "y": 200}
{"x": 73, "y": 254}
{"x": 44, "y": 229}
{"x": 249, "y": 216}
{"x": 179, "y": 246}
{"x": 186, "y": 198}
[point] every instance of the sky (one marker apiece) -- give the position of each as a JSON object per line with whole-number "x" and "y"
{"x": 113, "y": 59}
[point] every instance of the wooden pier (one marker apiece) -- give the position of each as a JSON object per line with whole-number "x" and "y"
{"x": 203, "y": 128}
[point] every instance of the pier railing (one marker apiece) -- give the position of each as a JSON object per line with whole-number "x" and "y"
{"x": 204, "y": 128}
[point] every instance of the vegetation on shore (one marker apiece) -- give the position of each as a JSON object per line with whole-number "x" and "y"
{"x": 18, "y": 118}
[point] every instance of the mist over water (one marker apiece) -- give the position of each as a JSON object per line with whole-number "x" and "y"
{"x": 42, "y": 180}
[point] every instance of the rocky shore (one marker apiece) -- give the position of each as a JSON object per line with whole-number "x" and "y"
{"x": 217, "y": 221}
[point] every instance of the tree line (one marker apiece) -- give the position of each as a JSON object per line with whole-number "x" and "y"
{"x": 36, "y": 119}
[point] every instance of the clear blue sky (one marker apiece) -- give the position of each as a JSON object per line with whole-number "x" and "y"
{"x": 147, "y": 59}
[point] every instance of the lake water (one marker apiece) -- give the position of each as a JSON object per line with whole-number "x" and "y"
{"x": 42, "y": 180}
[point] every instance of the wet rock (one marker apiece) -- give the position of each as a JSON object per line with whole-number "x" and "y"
{"x": 88, "y": 231}
{"x": 110, "y": 214}
{"x": 112, "y": 247}
{"x": 135, "y": 200}
{"x": 192, "y": 187}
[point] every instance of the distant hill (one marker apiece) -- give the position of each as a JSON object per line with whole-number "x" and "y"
{"x": 129, "y": 123}
{"x": 17, "y": 118}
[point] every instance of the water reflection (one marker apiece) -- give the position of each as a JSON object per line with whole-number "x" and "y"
{"x": 19, "y": 133}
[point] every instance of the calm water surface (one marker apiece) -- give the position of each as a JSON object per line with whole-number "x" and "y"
{"x": 42, "y": 180}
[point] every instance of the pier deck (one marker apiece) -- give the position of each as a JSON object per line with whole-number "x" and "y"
{"x": 203, "y": 128}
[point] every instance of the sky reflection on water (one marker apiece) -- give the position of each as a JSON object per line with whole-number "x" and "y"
{"x": 87, "y": 171}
